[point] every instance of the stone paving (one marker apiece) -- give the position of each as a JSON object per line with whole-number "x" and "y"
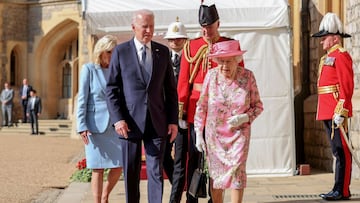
{"x": 293, "y": 189}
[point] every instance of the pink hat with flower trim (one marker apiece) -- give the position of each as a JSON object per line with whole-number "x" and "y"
{"x": 226, "y": 49}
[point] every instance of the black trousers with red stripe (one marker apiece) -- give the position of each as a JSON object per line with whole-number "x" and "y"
{"x": 343, "y": 160}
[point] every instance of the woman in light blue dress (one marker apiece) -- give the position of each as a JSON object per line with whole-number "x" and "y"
{"x": 102, "y": 145}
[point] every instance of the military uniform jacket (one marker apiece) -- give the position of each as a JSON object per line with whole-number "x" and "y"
{"x": 335, "y": 69}
{"x": 193, "y": 68}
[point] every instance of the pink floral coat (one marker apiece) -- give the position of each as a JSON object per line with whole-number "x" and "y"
{"x": 227, "y": 150}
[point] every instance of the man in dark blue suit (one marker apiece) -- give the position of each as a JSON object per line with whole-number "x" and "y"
{"x": 33, "y": 111}
{"x": 25, "y": 95}
{"x": 143, "y": 105}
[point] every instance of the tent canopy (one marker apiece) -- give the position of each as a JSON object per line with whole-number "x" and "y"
{"x": 262, "y": 27}
{"x": 115, "y": 16}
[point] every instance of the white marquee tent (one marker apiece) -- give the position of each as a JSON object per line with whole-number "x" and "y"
{"x": 263, "y": 29}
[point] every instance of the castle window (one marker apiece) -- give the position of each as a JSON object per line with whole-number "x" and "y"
{"x": 12, "y": 68}
{"x": 66, "y": 86}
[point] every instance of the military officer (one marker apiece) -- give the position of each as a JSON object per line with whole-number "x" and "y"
{"x": 335, "y": 90}
{"x": 193, "y": 68}
{"x": 175, "y": 168}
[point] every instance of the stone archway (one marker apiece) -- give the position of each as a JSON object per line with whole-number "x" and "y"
{"x": 52, "y": 51}
{"x": 15, "y": 68}
{"x": 14, "y": 74}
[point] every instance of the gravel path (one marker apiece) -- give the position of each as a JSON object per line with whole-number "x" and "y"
{"x": 36, "y": 168}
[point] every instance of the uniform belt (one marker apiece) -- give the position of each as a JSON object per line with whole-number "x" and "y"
{"x": 328, "y": 89}
{"x": 197, "y": 86}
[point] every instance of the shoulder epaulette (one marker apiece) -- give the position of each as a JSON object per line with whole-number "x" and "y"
{"x": 197, "y": 58}
{"x": 336, "y": 47}
{"x": 342, "y": 49}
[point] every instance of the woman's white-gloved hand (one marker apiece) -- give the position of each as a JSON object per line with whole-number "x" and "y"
{"x": 338, "y": 119}
{"x": 199, "y": 142}
{"x": 183, "y": 124}
{"x": 237, "y": 120}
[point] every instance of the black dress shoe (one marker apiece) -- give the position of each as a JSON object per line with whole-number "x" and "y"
{"x": 346, "y": 198}
{"x": 336, "y": 195}
{"x": 323, "y": 195}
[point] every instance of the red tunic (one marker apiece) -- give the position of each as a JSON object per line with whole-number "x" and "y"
{"x": 335, "y": 69}
{"x": 191, "y": 76}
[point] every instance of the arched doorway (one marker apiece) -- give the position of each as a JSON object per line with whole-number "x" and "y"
{"x": 56, "y": 58}
{"x": 68, "y": 73}
{"x": 16, "y": 71}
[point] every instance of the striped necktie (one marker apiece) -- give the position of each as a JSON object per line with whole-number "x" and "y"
{"x": 145, "y": 63}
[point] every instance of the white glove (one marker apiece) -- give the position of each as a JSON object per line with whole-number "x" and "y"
{"x": 237, "y": 120}
{"x": 338, "y": 119}
{"x": 199, "y": 142}
{"x": 183, "y": 124}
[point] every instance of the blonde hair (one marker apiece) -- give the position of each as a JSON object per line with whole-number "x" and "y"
{"x": 106, "y": 43}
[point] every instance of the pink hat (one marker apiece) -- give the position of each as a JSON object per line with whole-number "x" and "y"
{"x": 226, "y": 48}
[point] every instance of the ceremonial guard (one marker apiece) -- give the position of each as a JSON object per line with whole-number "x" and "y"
{"x": 194, "y": 66}
{"x": 335, "y": 90}
{"x": 175, "y": 167}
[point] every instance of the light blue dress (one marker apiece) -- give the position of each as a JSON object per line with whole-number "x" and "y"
{"x": 103, "y": 150}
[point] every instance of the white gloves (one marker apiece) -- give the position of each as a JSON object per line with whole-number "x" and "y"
{"x": 338, "y": 119}
{"x": 183, "y": 124}
{"x": 237, "y": 120}
{"x": 199, "y": 142}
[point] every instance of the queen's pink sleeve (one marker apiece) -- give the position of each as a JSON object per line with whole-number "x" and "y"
{"x": 256, "y": 105}
{"x": 202, "y": 105}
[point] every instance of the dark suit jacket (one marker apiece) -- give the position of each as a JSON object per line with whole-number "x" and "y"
{"x": 27, "y": 91}
{"x": 37, "y": 106}
{"x": 129, "y": 97}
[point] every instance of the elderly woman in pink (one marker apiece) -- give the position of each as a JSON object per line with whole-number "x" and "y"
{"x": 229, "y": 102}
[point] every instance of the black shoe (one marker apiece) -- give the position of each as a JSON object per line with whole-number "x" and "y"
{"x": 346, "y": 198}
{"x": 336, "y": 195}
{"x": 323, "y": 195}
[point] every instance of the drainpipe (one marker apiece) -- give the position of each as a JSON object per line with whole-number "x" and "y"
{"x": 82, "y": 7}
{"x": 305, "y": 82}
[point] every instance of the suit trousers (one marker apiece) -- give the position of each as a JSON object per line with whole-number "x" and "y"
{"x": 193, "y": 163}
{"x": 343, "y": 160}
{"x": 34, "y": 122}
{"x": 24, "y": 103}
{"x": 168, "y": 163}
{"x": 6, "y": 114}
{"x": 154, "y": 152}
{"x": 181, "y": 148}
